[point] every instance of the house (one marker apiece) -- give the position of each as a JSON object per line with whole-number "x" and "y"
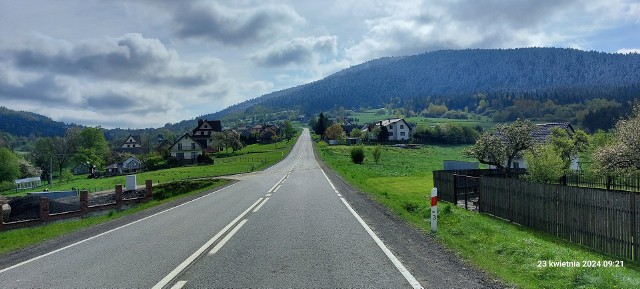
{"x": 130, "y": 165}
{"x": 186, "y": 149}
{"x": 398, "y": 128}
{"x": 542, "y": 135}
{"x": 132, "y": 145}
{"x": 202, "y": 133}
{"x": 267, "y": 134}
{"x": 81, "y": 169}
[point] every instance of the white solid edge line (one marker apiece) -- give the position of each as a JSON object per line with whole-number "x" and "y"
{"x": 260, "y": 206}
{"x": 179, "y": 285}
{"x": 107, "y": 232}
{"x": 227, "y": 237}
{"x": 407, "y": 275}
{"x": 202, "y": 249}
{"x": 403, "y": 270}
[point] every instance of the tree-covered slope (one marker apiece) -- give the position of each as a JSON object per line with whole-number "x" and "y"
{"x": 455, "y": 77}
{"x": 22, "y": 123}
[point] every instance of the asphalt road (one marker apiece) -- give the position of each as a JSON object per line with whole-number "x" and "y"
{"x": 284, "y": 227}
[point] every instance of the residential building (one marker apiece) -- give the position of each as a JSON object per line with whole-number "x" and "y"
{"x": 187, "y": 149}
{"x": 132, "y": 144}
{"x": 398, "y": 129}
{"x": 128, "y": 166}
{"x": 202, "y": 133}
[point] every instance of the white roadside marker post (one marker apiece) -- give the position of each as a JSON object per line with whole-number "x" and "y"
{"x": 434, "y": 210}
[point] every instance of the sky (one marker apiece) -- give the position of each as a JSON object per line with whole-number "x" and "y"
{"x": 145, "y": 63}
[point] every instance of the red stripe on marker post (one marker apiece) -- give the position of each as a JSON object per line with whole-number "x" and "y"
{"x": 434, "y": 209}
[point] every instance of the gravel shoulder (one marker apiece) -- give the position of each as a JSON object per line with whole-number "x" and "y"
{"x": 430, "y": 263}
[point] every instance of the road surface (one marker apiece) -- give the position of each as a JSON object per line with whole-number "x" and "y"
{"x": 287, "y": 226}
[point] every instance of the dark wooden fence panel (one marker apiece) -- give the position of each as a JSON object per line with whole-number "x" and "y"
{"x": 443, "y": 180}
{"x": 606, "y": 221}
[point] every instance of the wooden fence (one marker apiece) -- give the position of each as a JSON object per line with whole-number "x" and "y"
{"x": 604, "y": 220}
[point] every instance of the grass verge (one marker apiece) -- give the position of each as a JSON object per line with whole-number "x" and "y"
{"x": 402, "y": 181}
{"x": 20, "y": 238}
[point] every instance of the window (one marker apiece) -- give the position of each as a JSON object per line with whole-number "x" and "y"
{"x": 402, "y": 126}
{"x": 391, "y": 127}
{"x": 402, "y": 133}
{"x": 390, "y": 133}
{"x": 179, "y": 146}
{"x": 180, "y": 156}
{"x": 193, "y": 155}
{"x": 193, "y": 146}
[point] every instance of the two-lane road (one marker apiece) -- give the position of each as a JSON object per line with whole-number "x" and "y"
{"x": 284, "y": 227}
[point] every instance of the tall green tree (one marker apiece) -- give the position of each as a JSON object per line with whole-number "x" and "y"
{"x": 569, "y": 146}
{"x": 9, "y": 166}
{"x": 92, "y": 147}
{"x": 288, "y": 130}
{"x": 321, "y": 125}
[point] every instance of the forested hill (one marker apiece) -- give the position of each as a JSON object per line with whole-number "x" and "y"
{"x": 456, "y": 78}
{"x": 22, "y": 123}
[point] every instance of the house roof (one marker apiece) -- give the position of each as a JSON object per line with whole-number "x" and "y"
{"x": 186, "y": 135}
{"x": 136, "y": 139}
{"x": 544, "y": 131}
{"x": 385, "y": 122}
{"x": 214, "y": 125}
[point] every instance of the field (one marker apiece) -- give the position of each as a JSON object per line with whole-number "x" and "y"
{"x": 402, "y": 181}
{"x": 371, "y": 116}
{"x": 250, "y": 158}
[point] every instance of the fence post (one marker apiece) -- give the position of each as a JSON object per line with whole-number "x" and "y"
{"x": 479, "y": 194}
{"x": 118, "y": 194}
{"x": 1, "y": 216}
{"x": 84, "y": 200}
{"x": 609, "y": 181}
{"x": 149, "y": 188}
{"x": 455, "y": 189}
{"x": 44, "y": 209}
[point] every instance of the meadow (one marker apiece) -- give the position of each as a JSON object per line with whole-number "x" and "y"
{"x": 370, "y": 116}
{"x": 402, "y": 181}
{"x": 250, "y": 158}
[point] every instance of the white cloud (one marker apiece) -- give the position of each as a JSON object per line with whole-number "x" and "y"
{"x": 628, "y": 50}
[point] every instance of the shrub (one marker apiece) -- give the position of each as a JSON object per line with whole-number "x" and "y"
{"x": 544, "y": 164}
{"x": 357, "y": 155}
{"x": 377, "y": 152}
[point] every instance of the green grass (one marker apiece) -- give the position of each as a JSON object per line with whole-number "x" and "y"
{"x": 370, "y": 116}
{"x": 402, "y": 181}
{"x": 251, "y": 158}
{"x": 20, "y": 238}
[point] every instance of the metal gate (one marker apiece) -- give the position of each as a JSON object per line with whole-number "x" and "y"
{"x": 466, "y": 191}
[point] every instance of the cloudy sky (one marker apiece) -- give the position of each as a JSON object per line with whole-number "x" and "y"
{"x": 134, "y": 64}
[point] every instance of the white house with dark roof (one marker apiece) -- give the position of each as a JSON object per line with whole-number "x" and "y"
{"x": 398, "y": 128}
{"x": 186, "y": 148}
{"x": 132, "y": 145}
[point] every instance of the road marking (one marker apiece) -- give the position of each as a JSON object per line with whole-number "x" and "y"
{"x": 107, "y": 232}
{"x": 407, "y": 275}
{"x": 227, "y": 238}
{"x": 179, "y": 285}
{"x": 260, "y": 206}
{"x": 274, "y": 186}
{"x": 202, "y": 249}
{"x": 277, "y": 188}
{"x": 267, "y": 195}
{"x": 403, "y": 270}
